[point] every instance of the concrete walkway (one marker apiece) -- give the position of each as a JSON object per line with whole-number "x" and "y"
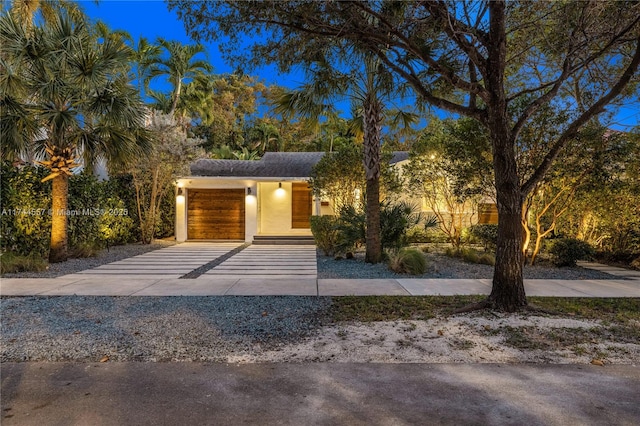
{"x": 279, "y": 271}
{"x": 207, "y": 285}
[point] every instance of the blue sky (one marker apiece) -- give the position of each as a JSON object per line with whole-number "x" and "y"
{"x": 151, "y": 19}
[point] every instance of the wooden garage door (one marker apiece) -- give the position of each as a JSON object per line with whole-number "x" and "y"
{"x": 301, "y": 210}
{"x": 215, "y": 214}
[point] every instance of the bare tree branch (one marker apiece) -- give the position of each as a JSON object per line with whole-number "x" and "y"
{"x": 574, "y": 127}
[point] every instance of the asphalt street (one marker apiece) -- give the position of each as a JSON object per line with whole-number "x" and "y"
{"x": 318, "y": 394}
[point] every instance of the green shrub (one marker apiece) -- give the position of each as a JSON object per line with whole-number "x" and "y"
{"x": 487, "y": 259}
{"x": 166, "y": 220}
{"x": 485, "y": 234}
{"x": 99, "y": 216}
{"x": 11, "y": 263}
{"x": 566, "y": 251}
{"x": 470, "y": 256}
{"x": 395, "y": 220}
{"x": 408, "y": 261}
{"x": 417, "y": 234}
{"x": 116, "y": 223}
{"x": 86, "y": 196}
{"x": 351, "y": 225}
{"x": 325, "y": 233}
{"x": 25, "y": 222}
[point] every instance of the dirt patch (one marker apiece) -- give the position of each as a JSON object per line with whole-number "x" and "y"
{"x": 468, "y": 338}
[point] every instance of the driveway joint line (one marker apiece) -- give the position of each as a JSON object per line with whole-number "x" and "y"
{"x": 226, "y": 293}
{"x": 215, "y": 262}
{"x": 144, "y": 288}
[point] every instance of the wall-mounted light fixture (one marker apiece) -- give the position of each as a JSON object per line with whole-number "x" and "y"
{"x": 279, "y": 184}
{"x": 180, "y": 195}
{"x": 249, "y": 190}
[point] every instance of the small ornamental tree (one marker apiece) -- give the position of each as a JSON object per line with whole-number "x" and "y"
{"x": 340, "y": 177}
{"x": 449, "y": 168}
{"x": 153, "y": 176}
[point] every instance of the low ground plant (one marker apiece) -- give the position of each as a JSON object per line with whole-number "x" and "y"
{"x": 11, "y": 263}
{"x": 84, "y": 250}
{"x": 471, "y": 255}
{"x": 625, "y": 311}
{"x": 408, "y": 261}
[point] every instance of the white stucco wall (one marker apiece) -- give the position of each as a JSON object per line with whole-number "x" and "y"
{"x": 275, "y": 208}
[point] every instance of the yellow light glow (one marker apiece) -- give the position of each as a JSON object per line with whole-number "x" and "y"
{"x": 250, "y": 199}
{"x": 180, "y": 199}
{"x": 280, "y": 193}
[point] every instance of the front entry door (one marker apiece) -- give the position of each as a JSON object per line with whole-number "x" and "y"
{"x": 301, "y": 206}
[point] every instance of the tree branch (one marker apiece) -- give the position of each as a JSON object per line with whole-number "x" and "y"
{"x": 452, "y": 27}
{"x": 414, "y": 80}
{"x": 536, "y": 104}
{"x": 573, "y": 128}
{"x": 390, "y": 33}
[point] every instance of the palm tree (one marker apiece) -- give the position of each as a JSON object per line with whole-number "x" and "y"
{"x": 144, "y": 55}
{"x": 366, "y": 89}
{"x": 264, "y": 135}
{"x": 26, "y": 11}
{"x": 179, "y": 66}
{"x": 66, "y": 95}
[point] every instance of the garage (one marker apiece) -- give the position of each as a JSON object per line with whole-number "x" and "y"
{"x": 216, "y": 214}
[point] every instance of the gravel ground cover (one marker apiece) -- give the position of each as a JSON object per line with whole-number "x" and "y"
{"x": 441, "y": 266}
{"x": 105, "y": 256}
{"x": 285, "y": 328}
{"x": 213, "y": 329}
{"x": 296, "y": 329}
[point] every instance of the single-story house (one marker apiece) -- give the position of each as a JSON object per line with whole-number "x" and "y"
{"x": 242, "y": 199}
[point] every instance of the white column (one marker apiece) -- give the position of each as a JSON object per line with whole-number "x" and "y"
{"x": 251, "y": 213}
{"x": 181, "y": 217}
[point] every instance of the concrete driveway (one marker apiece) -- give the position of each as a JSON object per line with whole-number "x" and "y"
{"x": 169, "y": 262}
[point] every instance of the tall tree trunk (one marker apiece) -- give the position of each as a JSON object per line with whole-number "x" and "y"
{"x": 176, "y": 97}
{"x": 507, "y": 292}
{"x": 153, "y": 209}
{"x": 372, "y": 139}
{"x": 59, "y": 224}
{"x": 374, "y": 245}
